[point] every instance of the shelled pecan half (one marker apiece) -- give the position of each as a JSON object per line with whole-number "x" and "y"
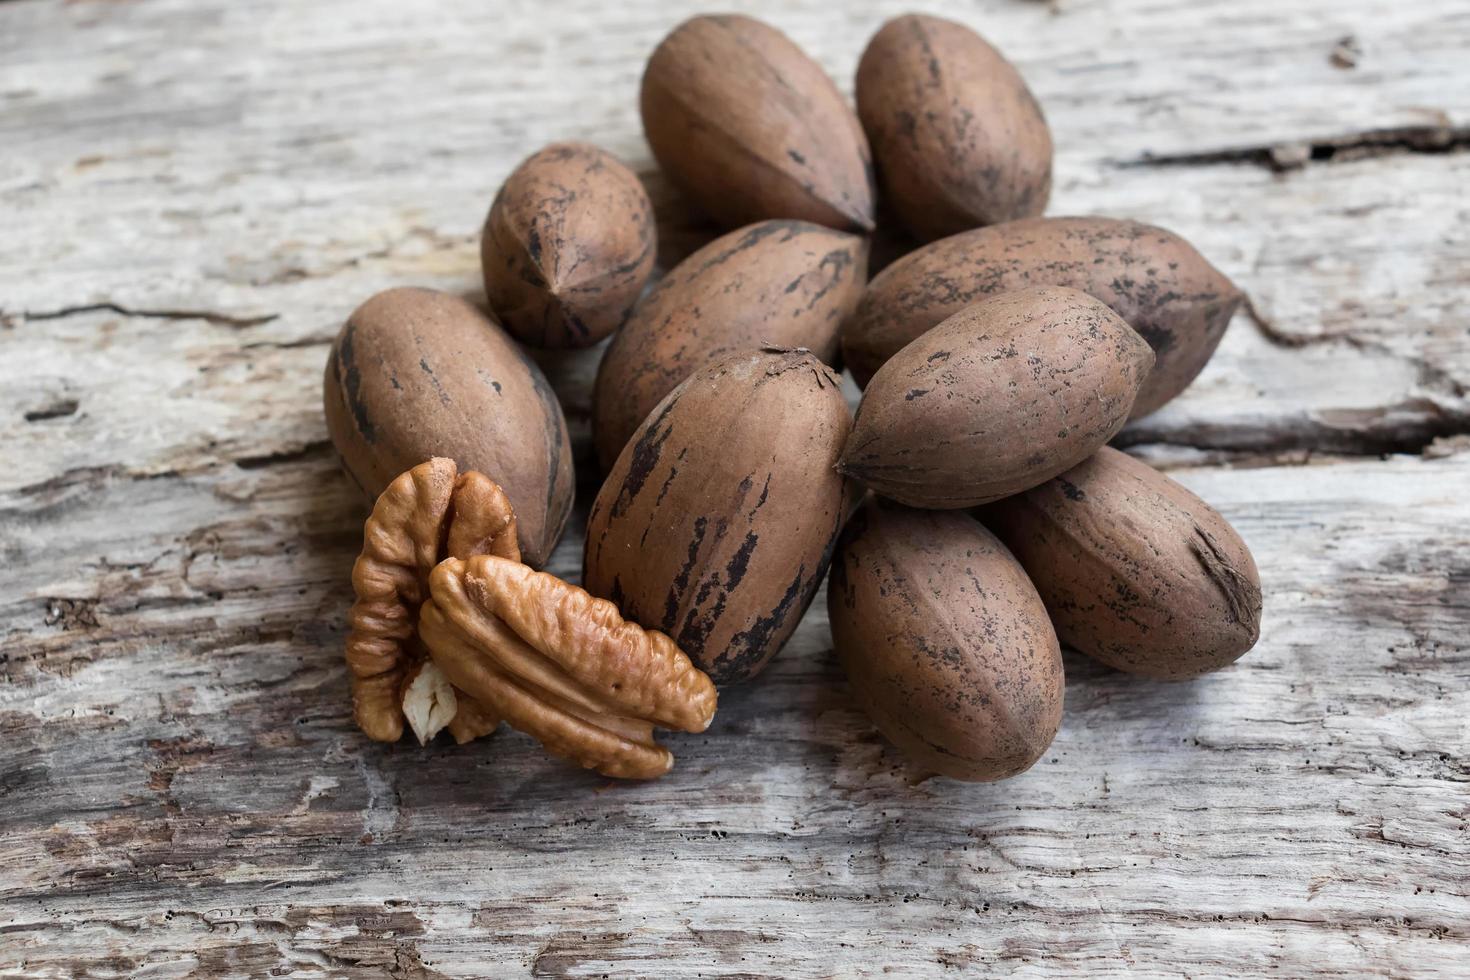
{"x": 427, "y": 514}
{"x": 563, "y": 666}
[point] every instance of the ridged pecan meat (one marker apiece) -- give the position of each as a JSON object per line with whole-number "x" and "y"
{"x": 428, "y": 513}
{"x": 563, "y": 666}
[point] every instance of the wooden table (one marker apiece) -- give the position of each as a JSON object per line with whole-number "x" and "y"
{"x": 193, "y": 193}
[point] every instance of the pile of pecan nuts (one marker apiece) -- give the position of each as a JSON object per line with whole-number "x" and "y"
{"x": 971, "y": 514}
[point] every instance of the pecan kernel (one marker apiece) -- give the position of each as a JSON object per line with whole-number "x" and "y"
{"x": 563, "y": 666}
{"x": 426, "y": 514}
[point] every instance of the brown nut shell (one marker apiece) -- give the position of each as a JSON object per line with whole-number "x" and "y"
{"x": 563, "y": 666}
{"x": 775, "y": 283}
{"x": 945, "y": 642}
{"x": 717, "y": 521}
{"x": 959, "y": 139}
{"x": 426, "y": 514}
{"x": 751, "y": 128}
{"x": 416, "y": 373}
{"x": 1135, "y": 570}
{"x": 567, "y": 246}
{"x": 1001, "y": 396}
{"x": 1150, "y": 277}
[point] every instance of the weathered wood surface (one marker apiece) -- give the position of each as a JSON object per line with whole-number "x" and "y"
{"x": 195, "y": 193}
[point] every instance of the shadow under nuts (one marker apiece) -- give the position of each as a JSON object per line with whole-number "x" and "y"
{"x": 1152, "y": 278}
{"x": 959, "y": 140}
{"x": 717, "y": 521}
{"x": 777, "y": 283}
{"x": 945, "y": 642}
{"x": 562, "y": 666}
{"x": 427, "y": 514}
{"x": 567, "y": 247}
{"x": 416, "y": 373}
{"x": 1001, "y": 396}
{"x": 1136, "y": 571}
{"x": 751, "y": 128}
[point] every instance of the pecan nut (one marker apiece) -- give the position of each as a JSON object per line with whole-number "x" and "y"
{"x": 427, "y": 514}
{"x": 563, "y": 666}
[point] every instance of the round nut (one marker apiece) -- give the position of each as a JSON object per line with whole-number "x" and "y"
{"x": 567, "y": 247}
{"x": 716, "y": 523}
{"x": 1136, "y": 571}
{"x": 959, "y": 139}
{"x": 1150, "y": 277}
{"x": 1001, "y": 396}
{"x": 945, "y": 642}
{"x": 416, "y": 374}
{"x": 775, "y": 283}
{"x": 751, "y": 128}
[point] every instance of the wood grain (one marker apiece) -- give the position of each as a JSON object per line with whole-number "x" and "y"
{"x": 196, "y": 193}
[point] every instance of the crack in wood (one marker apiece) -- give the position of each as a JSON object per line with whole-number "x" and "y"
{"x": 208, "y": 316}
{"x": 56, "y": 410}
{"x": 309, "y": 450}
{"x": 88, "y": 476}
{"x": 96, "y": 475}
{"x": 1430, "y": 375}
{"x": 1422, "y": 435}
{"x": 287, "y": 344}
{"x": 1283, "y": 157}
{"x": 1427, "y": 421}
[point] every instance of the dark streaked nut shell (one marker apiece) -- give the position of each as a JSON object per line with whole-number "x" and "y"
{"x": 416, "y": 374}
{"x": 959, "y": 139}
{"x": 1136, "y": 571}
{"x": 778, "y": 283}
{"x": 1150, "y": 277}
{"x": 1001, "y": 396}
{"x": 563, "y": 666}
{"x": 717, "y": 521}
{"x": 567, "y": 246}
{"x": 945, "y": 642}
{"x": 751, "y": 128}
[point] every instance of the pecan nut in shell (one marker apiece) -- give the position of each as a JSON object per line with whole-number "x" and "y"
{"x": 563, "y": 666}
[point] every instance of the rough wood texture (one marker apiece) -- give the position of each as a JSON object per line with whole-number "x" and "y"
{"x": 196, "y": 193}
